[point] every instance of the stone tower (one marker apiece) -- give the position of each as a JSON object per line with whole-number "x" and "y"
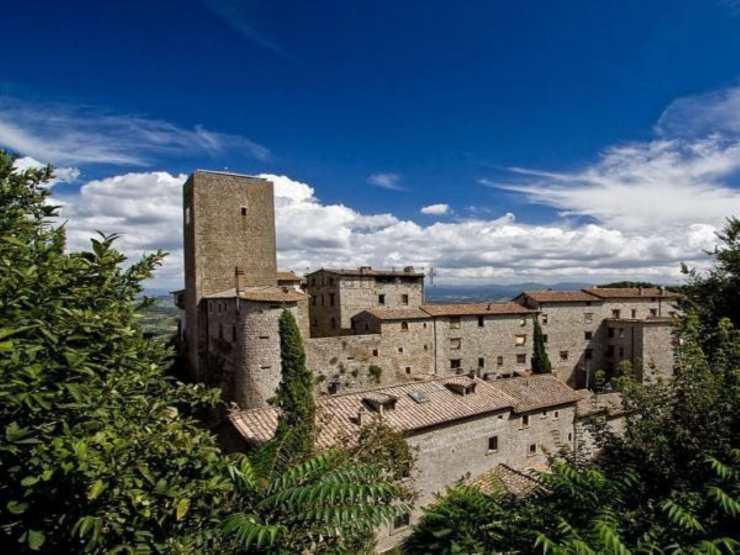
{"x": 228, "y": 222}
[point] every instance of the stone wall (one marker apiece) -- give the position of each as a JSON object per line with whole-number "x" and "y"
{"x": 465, "y": 340}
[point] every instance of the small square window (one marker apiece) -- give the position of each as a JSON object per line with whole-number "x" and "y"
{"x": 521, "y": 359}
{"x": 499, "y": 361}
{"x": 634, "y": 313}
{"x": 544, "y": 338}
{"x": 426, "y": 347}
{"x": 455, "y": 363}
{"x": 493, "y": 443}
{"x": 653, "y": 312}
{"x": 588, "y": 317}
{"x": 404, "y": 326}
{"x": 400, "y": 349}
{"x": 588, "y": 335}
{"x": 375, "y": 352}
{"x": 244, "y": 210}
{"x": 616, "y": 313}
{"x": 455, "y": 344}
{"x": 563, "y": 355}
{"x": 545, "y": 319}
{"x": 408, "y": 369}
{"x": 404, "y": 299}
{"x": 556, "y": 414}
{"x": 481, "y": 362}
{"x": 381, "y": 299}
{"x": 481, "y": 321}
{"x": 525, "y": 420}
{"x": 455, "y": 323}
{"x": 532, "y": 449}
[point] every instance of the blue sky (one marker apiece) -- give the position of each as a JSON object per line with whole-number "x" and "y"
{"x": 497, "y": 141}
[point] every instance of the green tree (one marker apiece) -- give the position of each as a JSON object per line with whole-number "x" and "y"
{"x": 540, "y": 360}
{"x": 296, "y": 428}
{"x": 328, "y": 504}
{"x": 99, "y": 450}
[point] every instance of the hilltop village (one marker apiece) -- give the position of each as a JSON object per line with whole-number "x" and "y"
{"x": 454, "y": 378}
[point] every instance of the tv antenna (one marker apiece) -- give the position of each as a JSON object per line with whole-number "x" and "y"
{"x": 432, "y": 274}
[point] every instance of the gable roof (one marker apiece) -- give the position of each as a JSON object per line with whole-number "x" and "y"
{"x": 475, "y": 309}
{"x": 537, "y": 392}
{"x": 549, "y": 296}
{"x": 502, "y": 476}
{"x": 396, "y": 313}
{"x": 338, "y": 419}
{"x": 261, "y": 294}
{"x": 631, "y": 293}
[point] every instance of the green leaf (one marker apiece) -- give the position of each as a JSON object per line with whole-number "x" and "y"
{"x": 35, "y": 539}
{"x": 182, "y": 508}
{"x": 16, "y": 507}
{"x": 95, "y": 490}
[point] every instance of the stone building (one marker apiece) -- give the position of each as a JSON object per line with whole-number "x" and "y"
{"x": 454, "y": 378}
{"x": 337, "y": 295}
{"x": 459, "y": 427}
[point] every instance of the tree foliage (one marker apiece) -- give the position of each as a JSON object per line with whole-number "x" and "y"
{"x": 540, "y": 360}
{"x": 99, "y": 450}
{"x": 296, "y": 429}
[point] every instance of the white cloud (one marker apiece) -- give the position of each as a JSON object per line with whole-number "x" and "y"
{"x": 435, "y": 209}
{"x": 390, "y": 181}
{"x": 61, "y": 174}
{"x": 65, "y": 134}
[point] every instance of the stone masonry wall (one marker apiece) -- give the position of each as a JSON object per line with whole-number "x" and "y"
{"x": 497, "y": 338}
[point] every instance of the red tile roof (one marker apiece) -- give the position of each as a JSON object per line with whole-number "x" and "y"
{"x": 503, "y": 477}
{"x": 367, "y": 271}
{"x": 478, "y": 309}
{"x": 537, "y": 392}
{"x": 397, "y": 313}
{"x": 559, "y": 296}
{"x": 591, "y": 403}
{"x": 262, "y": 294}
{"x": 631, "y": 292}
{"x": 339, "y": 413}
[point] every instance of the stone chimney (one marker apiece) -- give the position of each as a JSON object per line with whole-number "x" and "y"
{"x": 361, "y": 417}
{"x": 238, "y": 276}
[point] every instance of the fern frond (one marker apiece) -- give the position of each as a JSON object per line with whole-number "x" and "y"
{"x": 248, "y": 532}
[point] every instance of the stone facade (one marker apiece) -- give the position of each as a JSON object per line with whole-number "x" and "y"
{"x": 645, "y": 344}
{"x": 338, "y": 295}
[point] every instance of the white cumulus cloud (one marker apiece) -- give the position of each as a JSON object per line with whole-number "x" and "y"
{"x": 435, "y": 209}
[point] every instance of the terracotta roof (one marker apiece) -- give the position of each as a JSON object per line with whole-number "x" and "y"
{"x": 338, "y": 414}
{"x": 397, "y": 313}
{"x": 590, "y": 403}
{"x": 654, "y": 321}
{"x": 559, "y": 296}
{"x": 478, "y": 309}
{"x": 368, "y": 271}
{"x": 631, "y": 292}
{"x": 504, "y": 477}
{"x": 537, "y": 392}
{"x": 262, "y": 294}
{"x": 286, "y": 276}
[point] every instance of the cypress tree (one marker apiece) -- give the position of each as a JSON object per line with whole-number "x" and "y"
{"x": 295, "y": 434}
{"x": 540, "y": 360}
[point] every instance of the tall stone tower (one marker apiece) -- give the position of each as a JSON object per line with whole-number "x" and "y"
{"x": 228, "y": 222}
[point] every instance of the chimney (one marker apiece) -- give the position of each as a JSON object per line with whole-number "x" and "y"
{"x": 639, "y": 290}
{"x": 361, "y": 416}
{"x": 409, "y": 269}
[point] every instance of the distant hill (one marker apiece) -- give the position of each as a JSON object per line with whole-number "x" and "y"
{"x": 491, "y": 291}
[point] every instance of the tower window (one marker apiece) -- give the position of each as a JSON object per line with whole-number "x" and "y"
{"x": 588, "y": 335}
{"x": 493, "y": 443}
{"x": 404, "y": 299}
{"x": 532, "y": 449}
{"x": 381, "y": 299}
{"x": 244, "y": 210}
{"x": 481, "y": 362}
{"x": 521, "y": 359}
{"x": 404, "y": 326}
{"x": 481, "y": 321}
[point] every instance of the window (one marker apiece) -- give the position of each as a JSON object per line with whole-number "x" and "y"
{"x": 525, "y": 421}
{"x": 264, "y": 337}
{"x": 520, "y": 339}
{"x": 408, "y": 369}
{"x": 455, "y": 323}
{"x": 556, "y": 414}
{"x": 544, "y": 338}
{"x": 210, "y": 307}
{"x": 244, "y": 210}
{"x": 381, "y": 299}
{"x": 401, "y": 521}
{"x": 634, "y": 313}
{"x": 455, "y": 344}
{"x": 588, "y": 335}
{"x": 400, "y": 349}
{"x": 610, "y": 332}
{"x": 499, "y": 361}
{"x": 425, "y": 325}
{"x": 588, "y": 317}
{"x": 493, "y": 443}
{"x": 331, "y": 299}
{"x": 454, "y": 363}
{"x": 621, "y": 352}
{"x": 481, "y": 362}
{"x": 426, "y": 347}
{"x": 481, "y": 321}
{"x": 570, "y": 436}
{"x": 532, "y": 449}
{"x": 653, "y": 312}
{"x": 331, "y": 281}
{"x": 187, "y": 216}
{"x": 333, "y": 323}
{"x": 563, "y": 355}
{"x": 233, "y": 333}
{"x": 616, "y": 313}
{"x": 404, "y": 299}
{"x": 521, "y": 359}
{"x": 220, "y": 331}
{"x": 610, "y": 351}
{"x": 588, "y": 354}
{"x": 404, "y": 326}
{"x": 545, "y": 319}
{"x": 375, "y": 352}
{"x": 522, "y": 322}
